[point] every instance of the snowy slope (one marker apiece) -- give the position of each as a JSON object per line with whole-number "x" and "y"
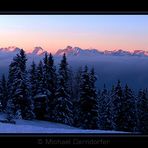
{"x": 35, "y": 126}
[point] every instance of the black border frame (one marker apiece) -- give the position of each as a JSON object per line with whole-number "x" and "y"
{"x": 45, "y": 7}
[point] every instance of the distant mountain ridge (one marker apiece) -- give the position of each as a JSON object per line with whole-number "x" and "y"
{"x": 76, "y": 51}
{"x": 10, "y": 49}
{"x": 110, "y": 65}
{"x": 14, "y": 49}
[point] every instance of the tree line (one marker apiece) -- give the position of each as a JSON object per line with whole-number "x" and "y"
{"x": 56, "y": 93}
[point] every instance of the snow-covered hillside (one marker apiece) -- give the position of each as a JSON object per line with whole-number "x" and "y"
{"x": 36, "y": 126}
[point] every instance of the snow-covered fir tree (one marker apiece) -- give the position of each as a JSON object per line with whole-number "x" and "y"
{"x": 33, "y": 86}
{"x": 129, "y": 110}
{"x": 10, "y": 109}
{"x": 52, "y": 86}
{"x": 117, "y": 101}
{"x": 71, "y": 82}
{"x": 77, "y": 82}
{"x": 33, "y": 80}
{"x": 46, "y": 83}
{"x": 76, "y": 97}
{"x": 26, "y": 110}
{"x": 4, "y": 92}
{"x": 49, "y": 79}
{"x": 46, "y": 75}
{"x": 93, "y": 97}
{"x": 40, "y": 79}
{"x": 13, "y": 86}
{"x": 142, "y": 107}
{"x": 104, "y": 110}
{"x": 19, "y": 89}
{"x": 70, "y": 86}
{"x": 29, "y": 114}
{"x": 63, "y": 107}
{"x": 136, "y": 113}
{"x": 111, "y": 95}
{"x": 40, "y": 100}
{"x": 19, "y": 85}
{"x": 88, "y": 101}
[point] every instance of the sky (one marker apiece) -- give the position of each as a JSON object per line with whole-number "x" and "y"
{"x": 53, "y": 32}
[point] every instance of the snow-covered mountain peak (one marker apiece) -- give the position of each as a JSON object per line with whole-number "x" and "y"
{"x": 76, "y": 51}
{"x": 38, "y": 51}
{"x": 68, "y": 51}
{"x": 10, "y": 49}
{"x": 118, "y": 52}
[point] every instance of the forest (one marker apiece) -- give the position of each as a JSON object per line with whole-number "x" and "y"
{"x": 58, "y": 94}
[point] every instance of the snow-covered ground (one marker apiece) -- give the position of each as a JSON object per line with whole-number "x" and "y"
{"x": 36, "y": 126}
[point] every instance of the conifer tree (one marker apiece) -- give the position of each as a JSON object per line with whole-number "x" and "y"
{"x": 88, "y": 101}
{"x": 19, "y": 92}
{"x": 142, "y": 105}
{"x": 33, "y": 80}
{"x": 41, "y": 100}
{"x": 52, "y": 87}
{"x": 46, "y": 75}
{"x": 4, "y": 92}
{"x": 76, "y": 97}
{"x": 117, "y": 101}
{"x": 33, "y": 86}
{"x": 10, "y": 109}
{"x": 129, "y": 110}
{"x": 104, "y": 111}
{"x": 63, "y": 108}
{"x": 40, "y": 79}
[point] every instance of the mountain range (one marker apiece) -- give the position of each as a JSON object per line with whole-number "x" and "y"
{"x": 109, "y": 65}
{"x": 76, "y": 51}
